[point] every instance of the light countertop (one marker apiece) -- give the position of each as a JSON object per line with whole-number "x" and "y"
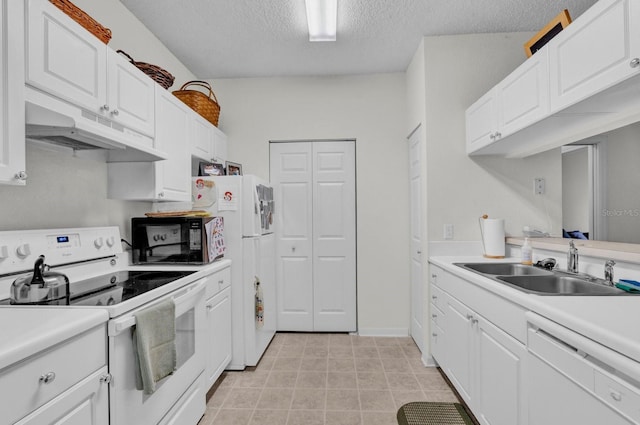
{"x": 26, "y": 331}
{"x": 613, "y": 321}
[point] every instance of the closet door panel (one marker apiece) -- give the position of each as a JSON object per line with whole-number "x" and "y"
{"x": 291, "y": 176}
{"x": 334, "y": 237}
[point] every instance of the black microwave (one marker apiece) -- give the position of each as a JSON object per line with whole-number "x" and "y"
{"x": 177, "y": 240}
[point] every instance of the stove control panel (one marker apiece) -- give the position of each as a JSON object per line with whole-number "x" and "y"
{"x": 20, "y": 249}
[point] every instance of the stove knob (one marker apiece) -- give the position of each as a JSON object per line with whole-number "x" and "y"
{"x": 98, "y": 243}
{"x": 110, "y": 241}
{"x": 4, "y": 252}
{"x": 23, "y": 251}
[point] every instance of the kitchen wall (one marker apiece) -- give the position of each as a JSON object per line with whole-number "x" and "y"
{"x": 66, "y": 191}
{"x": 446, "y": 75}
{"x": 457, "y": 71}
{"x": 369, "y": 109}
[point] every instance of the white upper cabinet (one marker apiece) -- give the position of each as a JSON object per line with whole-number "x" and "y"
{"x": 168, "y": 180}
{"x": 576, "y": 86}
{"x": 201, "y": 140}
{"x": 523, "y": 97}
{"x": 482, "y": 121}
{"x": 516, "y": 102}
{"x": 130, "y": 94}
{"x": 603, "y": 50}
{"x": 207, "y": 142}
{"x": 12, "y": 122}
{"x": 65, "y": 60}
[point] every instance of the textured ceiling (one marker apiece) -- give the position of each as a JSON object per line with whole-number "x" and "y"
{"x": 255, "y": 38}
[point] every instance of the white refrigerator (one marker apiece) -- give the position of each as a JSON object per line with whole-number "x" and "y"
{"x": 246, "y": 205}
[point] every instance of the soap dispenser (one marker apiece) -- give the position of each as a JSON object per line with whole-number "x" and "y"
{"x": 527, "y": 252}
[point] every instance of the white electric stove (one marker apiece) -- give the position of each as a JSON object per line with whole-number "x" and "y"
{"x": 100, "y": 276}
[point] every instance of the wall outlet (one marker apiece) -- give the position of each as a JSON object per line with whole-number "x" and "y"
{"x": 448, "y": 231}
{"x": 538, "y": 186}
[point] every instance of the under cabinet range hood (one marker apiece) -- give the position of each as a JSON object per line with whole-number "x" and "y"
{"x": 51, "y": 120}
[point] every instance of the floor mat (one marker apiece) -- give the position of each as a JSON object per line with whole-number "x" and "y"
{"x": 432, "y": 413}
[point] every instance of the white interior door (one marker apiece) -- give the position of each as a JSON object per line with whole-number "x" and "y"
{"x": 415, "y": 200}
{"x": 334, "y": 237}
{"x": 315, "y": 235}
{"x": 291, "y": 168}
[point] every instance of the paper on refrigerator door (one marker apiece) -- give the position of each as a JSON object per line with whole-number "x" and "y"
{"x": 228, "y": 194}
{"x": 203, "y": 193}
{"x": 215, "y": 232}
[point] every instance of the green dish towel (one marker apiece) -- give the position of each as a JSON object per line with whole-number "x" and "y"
{"x": 628, "y": 287}
{"x": 154, "y": 344}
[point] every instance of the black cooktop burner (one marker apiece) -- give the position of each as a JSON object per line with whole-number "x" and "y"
{"x": 114, "y": 288}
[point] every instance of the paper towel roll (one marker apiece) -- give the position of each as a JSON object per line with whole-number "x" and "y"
{"x": 493, "y": 237}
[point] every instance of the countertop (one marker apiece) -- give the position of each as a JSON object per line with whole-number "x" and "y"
{"x": 26, "y": 331}
{"x": 613, "y": 321}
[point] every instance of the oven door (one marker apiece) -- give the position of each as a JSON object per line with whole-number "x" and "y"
{"x": 129, "y": 406}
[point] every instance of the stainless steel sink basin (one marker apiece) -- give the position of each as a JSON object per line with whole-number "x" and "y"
{"x": 505, "y": 269}
{"x": 559, "y": 285}
{"x": 536, "y": 280}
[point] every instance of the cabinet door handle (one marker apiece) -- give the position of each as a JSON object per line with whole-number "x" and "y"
{"x": 115, "y": 112}
{"x": 635, "y": 63}
{"x": 48, "y": 377}
{"x": 21, "y": 175}
{"x": 105, "y": 108}
{"x": 434, "y": 334}
{"x": 615, "y": 395}
{"x": 492, "y": 136}
{"x": 498, "y": 135}
{"x": 106, "y": 378}
{"x": 434, "y": 297}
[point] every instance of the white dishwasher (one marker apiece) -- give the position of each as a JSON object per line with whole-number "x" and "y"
{"x": 574, "y": 380}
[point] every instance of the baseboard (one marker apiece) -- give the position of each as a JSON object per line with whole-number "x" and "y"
{"x": 396, "y": 332}
{"x": 428, "y": 360}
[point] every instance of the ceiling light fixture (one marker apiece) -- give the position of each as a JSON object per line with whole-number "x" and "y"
{"x": 322, "y": 16}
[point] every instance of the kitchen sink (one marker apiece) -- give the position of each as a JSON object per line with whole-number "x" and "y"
{"x": 505, "y": 269}
{"x": 536, "y": 280}
{"x": 559, "y": 285}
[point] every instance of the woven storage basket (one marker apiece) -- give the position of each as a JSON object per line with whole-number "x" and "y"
{"x": 200, "y": 102}
{"x": 159, "y": 75}
{"x": 81, "y": 17}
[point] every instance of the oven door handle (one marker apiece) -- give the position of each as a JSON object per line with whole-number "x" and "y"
{"x": 184, "y": 299}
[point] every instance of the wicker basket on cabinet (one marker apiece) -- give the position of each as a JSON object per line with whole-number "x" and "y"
{"x": 159, "y": 75}
{"x": 204, "y": 104}
{"x": 86, "y": 21}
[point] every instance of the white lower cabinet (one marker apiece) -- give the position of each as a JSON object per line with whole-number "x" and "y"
{"x": 87, "y": 403}
{"x": 485, "y": 364}
{"x": 218, "y": 307}
{"x": 65, "y": 384}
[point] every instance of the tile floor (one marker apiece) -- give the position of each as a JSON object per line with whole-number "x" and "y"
{"x": 326, "y": 379}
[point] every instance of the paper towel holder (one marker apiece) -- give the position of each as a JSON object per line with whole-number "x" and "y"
{"x": 496, "y": 255}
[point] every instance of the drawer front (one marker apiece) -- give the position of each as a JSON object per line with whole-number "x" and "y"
{"x": 437, "y": 297}
{"x": 38, "y": 379}
{"x": 618, "y": 395}
{"x": 218, "y": 281}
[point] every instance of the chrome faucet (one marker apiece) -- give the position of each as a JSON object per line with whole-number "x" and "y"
{"x": 572, "y": 258}
{"x": 608, "y": 272}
